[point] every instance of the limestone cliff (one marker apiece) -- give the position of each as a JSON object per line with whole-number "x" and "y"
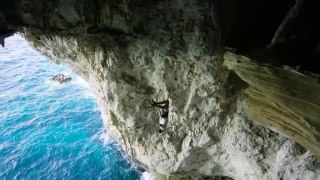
{"x": 281, "y": 99}
{"x": 219, "y": 120}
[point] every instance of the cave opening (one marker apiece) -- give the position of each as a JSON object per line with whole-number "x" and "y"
{"x": 279, "y": 32}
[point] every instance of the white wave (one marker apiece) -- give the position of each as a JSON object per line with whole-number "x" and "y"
{"x": 80, "y": 81}
{"x": 105, "y": 138}
{"x": 147, "y": 176}
{"x": 88, "y": 93}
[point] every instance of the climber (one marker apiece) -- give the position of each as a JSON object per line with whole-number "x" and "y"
{"x": 164, "y": 113}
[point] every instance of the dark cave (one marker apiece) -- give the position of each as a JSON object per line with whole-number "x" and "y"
{"x": 250, "y": 27}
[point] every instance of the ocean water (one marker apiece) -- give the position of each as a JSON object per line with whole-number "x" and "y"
{"x": 51, "y": 131}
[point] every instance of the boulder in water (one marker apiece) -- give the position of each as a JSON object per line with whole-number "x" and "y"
{"x": 60, "y": 78}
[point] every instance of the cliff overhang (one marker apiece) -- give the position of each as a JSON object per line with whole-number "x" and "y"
{"x": 235, "y": 109}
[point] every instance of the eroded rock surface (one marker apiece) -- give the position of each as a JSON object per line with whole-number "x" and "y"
{"x": 133, "y": 51}
{"x": 281, "y": 99}
{"x": 209, "y": 133}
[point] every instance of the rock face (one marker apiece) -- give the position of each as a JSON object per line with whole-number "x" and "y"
{"x": 133, "y": 51}
{"x": 281, "y": 99}
{"x": 209, "y": 133}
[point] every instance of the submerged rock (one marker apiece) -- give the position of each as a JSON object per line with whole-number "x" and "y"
{"x": 60, "y": 78}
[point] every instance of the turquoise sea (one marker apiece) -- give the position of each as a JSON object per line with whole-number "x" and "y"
{"x": 51, "y": 131}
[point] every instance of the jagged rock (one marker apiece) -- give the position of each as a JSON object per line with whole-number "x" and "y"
{"x": 60, "y": 78}
{"x": 281, "y": 99}
{"x": 209, "y": 133}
